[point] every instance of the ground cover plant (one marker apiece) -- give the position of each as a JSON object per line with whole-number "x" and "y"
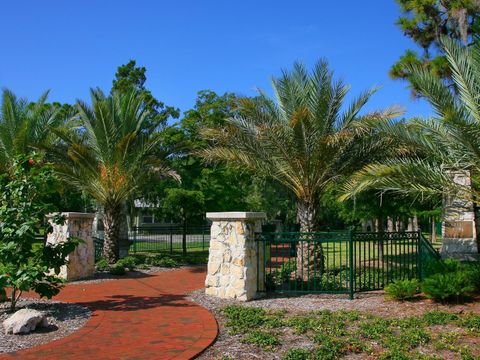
{"x": 344, "y": 333}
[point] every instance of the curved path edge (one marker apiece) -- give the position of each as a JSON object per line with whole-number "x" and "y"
{"x": 146, "y": 317}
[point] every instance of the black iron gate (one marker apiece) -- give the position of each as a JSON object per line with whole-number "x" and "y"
{"x": 341, "y": 262}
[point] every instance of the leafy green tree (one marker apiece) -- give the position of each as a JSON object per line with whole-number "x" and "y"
{"x": 425, "y": 21}
{"x": 301, "y": 138}
{"x": 223, "y": 187}
{"x": 129, "y": 77}
{"x": 111, "y": 151}
{"x": 22, "y": 210}
{"x": 181, "y": 204}
{"x": 438, "y": 147}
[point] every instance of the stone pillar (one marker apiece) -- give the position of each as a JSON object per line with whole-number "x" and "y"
{"x": 458, "y": 225}
{"x": 234, "y": 256}
{"x": 81, "y": 262}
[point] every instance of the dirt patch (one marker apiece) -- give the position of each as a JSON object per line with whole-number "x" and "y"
{"x": 63, "y": 318}
{"x": 230, "y": 346}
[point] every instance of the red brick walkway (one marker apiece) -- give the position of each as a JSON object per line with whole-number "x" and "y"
{"x": 141, "y": 318}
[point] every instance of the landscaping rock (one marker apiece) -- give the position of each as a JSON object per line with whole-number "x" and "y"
{"x": 24, "y": 321}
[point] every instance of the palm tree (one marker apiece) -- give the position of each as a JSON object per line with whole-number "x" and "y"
{"x": 301, "y": 137}
{"x": 107, "y": 150}
{"x": 24, "y": 125}
{"x": 434, "y": 150}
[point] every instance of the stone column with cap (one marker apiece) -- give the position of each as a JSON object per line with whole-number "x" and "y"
{"x": 81, "y": 262}
{"x": 458, "y": 226}
{"x": 235, "y": 263}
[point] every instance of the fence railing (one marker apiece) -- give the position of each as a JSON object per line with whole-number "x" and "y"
{"x": 164, "y": 239}
{"x": 341, "y": 262}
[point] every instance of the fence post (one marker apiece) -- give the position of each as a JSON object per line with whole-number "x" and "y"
{"x": 351, "y": 263}
{"x": 203, "y": 238}
{"x": 171, "y": 239}
{"x": 135, "y": 229}
{"x": 419, "y": 255}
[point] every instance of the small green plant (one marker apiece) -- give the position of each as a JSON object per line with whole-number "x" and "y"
{"x": 329, "y": 348}
{"x": 266, "y": 340}
{"x": 102, "y": 265}
{"x": 117, "y": 269}
{"x": 375, "y": 329}
{"x": 444, "y": 287}
{"x": 394, "y": 354}
{"x": 162, "y": 261}
{"x": 436, "y": 317}
{"x": 128, "y": 262}
{"x": 403, "y": 289}
{"x": 471, "y": 322}
{"x": 241, "y": 319}
{"x": 296, "y": 354}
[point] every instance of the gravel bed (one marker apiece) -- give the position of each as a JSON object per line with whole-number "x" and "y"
{"x": 229, "y": 346}
{"x": 63, "y": 318}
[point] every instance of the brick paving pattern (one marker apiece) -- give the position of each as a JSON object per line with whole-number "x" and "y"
{"x": 138, "y": 318}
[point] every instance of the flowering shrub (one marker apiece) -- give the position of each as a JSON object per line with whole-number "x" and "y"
{"x": 24, "y": 263}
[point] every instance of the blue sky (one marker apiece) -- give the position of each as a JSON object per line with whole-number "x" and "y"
{"x": 187, "y": 46}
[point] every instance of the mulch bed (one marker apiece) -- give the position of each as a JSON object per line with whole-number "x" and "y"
{"x": 63, "y": 318}
{"x": 102, "y": 276}
{"x": 230, "y": 346}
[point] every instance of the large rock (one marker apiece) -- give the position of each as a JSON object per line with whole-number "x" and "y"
{"x": 24, "y": 321}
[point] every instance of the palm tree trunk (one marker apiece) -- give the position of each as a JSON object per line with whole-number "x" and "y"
{"x": 310, "y": 257}
{"x": 112, "y": 223}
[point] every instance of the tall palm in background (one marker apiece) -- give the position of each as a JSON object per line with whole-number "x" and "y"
{"x": 24, "y": 125}
{"x": 305, "y": 137}
{"x": 435, "y": 149}
{"x": 107, "y": 150}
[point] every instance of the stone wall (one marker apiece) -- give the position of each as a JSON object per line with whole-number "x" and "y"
{"x": 458, "y": 226}
{"x": 234, "y": 256}
{"x": 81, "y": 262}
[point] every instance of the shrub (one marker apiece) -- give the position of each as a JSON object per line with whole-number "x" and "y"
{"x": 403, "y": 289}
{"x": 128, "y": 262}
{"x": 162, "y": 261}
{"x": 296, "y": 354}
{"x": 26, "y": 191}
{"x": 102, "y": 265}
{"x": 473, "y": 270}
{"x": 117, "y": 269}
{"x": 139, "y": 258}
{"x": 448, "y": 286}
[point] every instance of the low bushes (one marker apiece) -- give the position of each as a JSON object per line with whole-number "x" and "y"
{"x": 117, "y": 269}
{"x": 137, "y": 261}
{"x": 446, "y": 281}
{"x": 449, "y": 286}
{"x": 403, "y": 289}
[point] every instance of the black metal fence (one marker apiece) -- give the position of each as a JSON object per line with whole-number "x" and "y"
{"x": 341, "y": 262}
{"x": 170, "y": 238}
{"x": 164, "y": 239}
